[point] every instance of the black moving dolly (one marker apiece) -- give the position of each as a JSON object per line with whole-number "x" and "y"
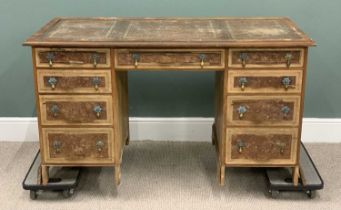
{"x": 280, "y": 179}
{"x": 63, "y": 179}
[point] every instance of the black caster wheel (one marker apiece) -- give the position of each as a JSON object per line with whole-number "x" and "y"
{"x": 68, "y": 193}
{"x": 311, "y": 193}
{"x": 33, "y": 194}
{"x": 274, "y": 193}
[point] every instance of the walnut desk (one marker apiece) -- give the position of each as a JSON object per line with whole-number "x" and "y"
{"x": 81, "y": 65}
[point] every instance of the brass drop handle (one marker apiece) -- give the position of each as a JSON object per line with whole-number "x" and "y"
{"x": 286, "y": 82}
{"x": 281, "y": 146}
{"x": 242, "y": 83}
{"x": 288, "y": 58}
{"x": 98, "y": 110}
{"x": 99, "y": 145}
{"x": 56, "y": 146}
{"x": 241, "y": 110}
{"x": 54, "y": 109}
{"x": 243, "y": 57}
{"x": 202, "y": 58}
{"x": 96, "y": 81}
{"x": 53, "y": 82}
{"x": 136, "y": 59}
{"x": 285, "y": 110}
{"x": 50, "y": 56}
{"x": 95, "y": 58}
{"x": 241, "y": 145}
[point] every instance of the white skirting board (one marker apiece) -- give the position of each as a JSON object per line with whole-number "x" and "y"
{"x": 172, "y": 129}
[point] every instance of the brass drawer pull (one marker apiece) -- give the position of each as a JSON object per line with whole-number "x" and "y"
{"x": 202, "y": 58}
{"x": 50, "y": 57}
{"x": 56, "y": 146}
{"x": 96, "y": 81}
{"x": 241, "y": 110}
{"x": 242, "y": 83}
{"x": 286, "y": 82}
{"x": 53, "y": 82}
{"x": 136, "y": 59}
{"x": 54, "y": 110}
{"x": 95, "y": 58}
{"x": 288, "y": 58}
{"x": 241, "y": 145}
{"x": 98, "y": 110}
{"x": 243, "y": 56}
{"x": 99, "y": 145}
{"x": 285, "y": 110}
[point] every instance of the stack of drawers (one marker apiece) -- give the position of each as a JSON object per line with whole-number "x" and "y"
{"x": 262, "y": 104}
{"x": 74, "y": 101}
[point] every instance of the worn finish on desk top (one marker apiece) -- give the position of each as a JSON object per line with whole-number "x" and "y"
{"x": 173, "y": 32}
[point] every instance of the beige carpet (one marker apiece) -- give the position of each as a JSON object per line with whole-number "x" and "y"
{"x": 167, "y": 175}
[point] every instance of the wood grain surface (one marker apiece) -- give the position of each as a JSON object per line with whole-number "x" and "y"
{"x": 170, "y": 59}
{"x": 74, "y": 81}
{"x": 78, "y": 145}
{"x": 75, "y": 110}
{"x": 266, "y": 57}
{"x": 72, "y": 58}
{"x": 261, "y": 146}
{"x": 263, "y": 110}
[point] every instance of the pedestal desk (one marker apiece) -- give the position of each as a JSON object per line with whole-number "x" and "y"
{"x": 81, "y": 66}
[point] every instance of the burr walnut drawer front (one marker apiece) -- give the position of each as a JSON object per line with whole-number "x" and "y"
{"x": 263, "y": 57}
{"x": 169, "y": 59}
{"x": 72, "y": 58}
{"x": 263, "y": 110}
{"x": 74, "y": 81}
{"x": 78, "y": 145}
{"x": 75, "y": 110}
{"x": 261, "y": 146}
{"x": 264, "y": 81}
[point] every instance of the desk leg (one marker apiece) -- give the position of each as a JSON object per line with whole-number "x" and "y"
{"x": 221, "y": 173}
{"x": 44, "y": 174}
{"x": 295, "y": 175}
{"x": 118, "y": 175}
{"x": 128, "y": 140}
{"x": 214, "y": 135}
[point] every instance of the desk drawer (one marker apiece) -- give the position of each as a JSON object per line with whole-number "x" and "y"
{"x": 75, "y": 110}
{"x": 264, "y": 81}
{"x": 263, "y": 58}
{"x": 74, "y": 81}
{"x": 72, "y": 58}
{"x": 78, "y": 145}
{"x": 263, "y": 110}
{"x": 169, "y": 59}
{"x": 261, "y": 145}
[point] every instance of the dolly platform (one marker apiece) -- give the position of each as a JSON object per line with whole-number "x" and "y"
{"x": 64, "y": 179}
{"x": 310, "y": 180}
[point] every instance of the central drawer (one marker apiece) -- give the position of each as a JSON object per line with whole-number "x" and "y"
{"x": 78, "y": 145}
{"x": 76, "y": 110}
{"x": 261, "y": 145}
{"x": 169, "y": 59}
{"x": 263, "y": 110}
